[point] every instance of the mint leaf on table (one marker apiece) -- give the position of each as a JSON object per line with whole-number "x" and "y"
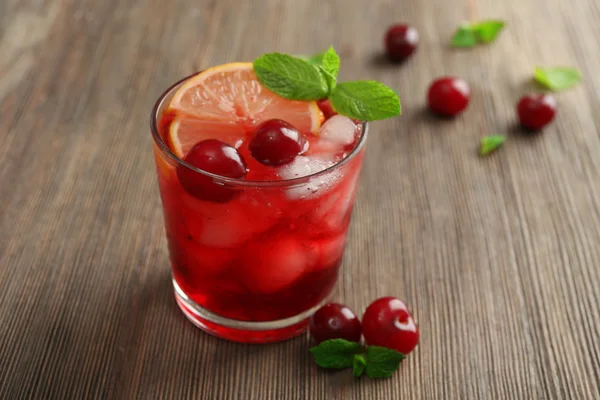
{"x": 336, "y": 353}
{"x": 490, "y": 143}
{"x": 557, "y": 78}
{"x": 365, "y": 100}
{"x": 382, "y": 362}
{"x": 464, "y": 36}
{"x": 470, "y": 34}
{"x": 377, "y": 362}
{"x": 330, "y": 66}
{"x": 487, "y": 31}
{"x": 358, "y": 365}
{"x": 290, "y": 77}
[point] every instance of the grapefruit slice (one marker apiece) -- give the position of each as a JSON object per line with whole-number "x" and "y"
{"x": 226, "y": 102}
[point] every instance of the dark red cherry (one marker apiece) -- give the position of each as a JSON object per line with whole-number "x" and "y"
{"x": 448, "y": 96}
{"x": 536, "y": 111}
{"x": 218, "y": 158}
{"x": 401, "y": 41}
{"x": 387, "y": 322}
{"x": 276, "y": 142}
{"x": 335, "y": 321}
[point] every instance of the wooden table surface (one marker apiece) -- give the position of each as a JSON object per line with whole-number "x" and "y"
{"x": 498, "y": 257}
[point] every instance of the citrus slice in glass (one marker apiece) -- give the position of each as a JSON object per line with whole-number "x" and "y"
{"x": 226, "y": 102}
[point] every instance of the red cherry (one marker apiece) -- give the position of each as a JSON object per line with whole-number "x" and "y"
{"x": 401, "y": 41}
{"x": 335, "y": 321}
{"x": 218, "y": 158}
{"x": 326, "y": 108}
{"x": 276, "y": 142}
{"x": 448, "y": 96}
{"x": 536, "y": 110}
{"x": 387, "y": 322}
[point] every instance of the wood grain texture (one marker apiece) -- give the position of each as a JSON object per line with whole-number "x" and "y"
{"x": 498, "y": 257}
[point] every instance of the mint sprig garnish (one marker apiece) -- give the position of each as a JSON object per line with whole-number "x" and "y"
{"x": 470, "y": 34}
{"x": 295, "y": 78}
{"x": 490, "y": 143}
{"x": 377, "y": 362}
{"x": 557, "y": 78}
{"x": 316, "y": 59}
{"x": 330, "y": 67}
{"x": 365, "y": 100}
{"x": 290, "y": 77}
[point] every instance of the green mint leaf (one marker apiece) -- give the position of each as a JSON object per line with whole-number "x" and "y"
{"x": 382, "y": 362}
{"x": 330, "y": 79}
{"x": 358, "y": 365}
{"x": 290, "y": 77}
{"x": 487, "y": 31}
{"x": 468, "y": 35}
{"x": 316, "y": 59}
{"x": 464, "y": 36}
{"x": 331, "y": 62}
{"x": 330, "y": 66}
{"x": 365, "y": 100}
{"x": 490, "y": 143}
{"x": 335, "y": 353}
{"x": 557, "y": 78}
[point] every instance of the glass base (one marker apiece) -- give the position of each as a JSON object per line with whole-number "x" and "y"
{"x": 242, "y": 331}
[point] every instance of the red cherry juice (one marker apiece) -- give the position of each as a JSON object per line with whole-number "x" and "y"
{"x": 273, "y": 251}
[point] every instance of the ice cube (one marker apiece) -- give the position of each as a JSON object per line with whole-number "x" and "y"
{"x": 331, "y": 250}
{"x": 304, "y": 166}
{"x": 324, "y": 148}
{"x": 270, "y": 265}
{"x": 222, "y": 231}
{"x": 332, "y": 211}
{"x": 230, "y": 224}
{"x": 301, "y": 166}
{"x": 339, "y": 129}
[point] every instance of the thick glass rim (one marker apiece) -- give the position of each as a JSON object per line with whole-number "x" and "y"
{"x": 165, "y": 150}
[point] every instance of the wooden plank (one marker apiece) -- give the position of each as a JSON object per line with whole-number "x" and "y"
{"x": 497, "y": 257}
